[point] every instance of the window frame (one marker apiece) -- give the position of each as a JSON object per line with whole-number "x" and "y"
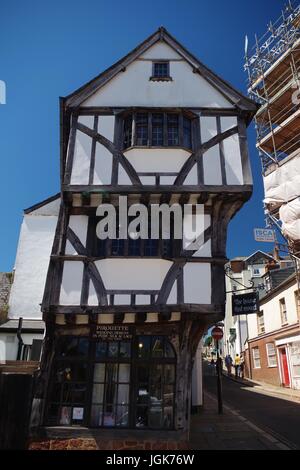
{"x": 283, "y": 311}
{"x": 261, "y": 325}
{"x": 256, "y": 358}
{"x": 158, "y": 77}
{"x": 182, "y": 117}
{"x": 89, "y": 359}
{"x": 271, "y": 355}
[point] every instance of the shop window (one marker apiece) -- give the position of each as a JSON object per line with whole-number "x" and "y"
{"x": 69, "y": 382}
{"x": 295, "y": 359}
{"x": 113, "y": 384}
{"x": 147, "y": 375}
{"x": 256, "y": 358}
{"x": 271, "y": 355}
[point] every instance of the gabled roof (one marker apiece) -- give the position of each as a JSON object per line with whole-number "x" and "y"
{"x": 259, "y": 254}
{"x": 227, "y": 90}
{"x": 42, "y": 203}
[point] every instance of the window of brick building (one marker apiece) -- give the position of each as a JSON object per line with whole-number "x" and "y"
{"x": 271, "y": 355}
{"x": 256, "y": 358}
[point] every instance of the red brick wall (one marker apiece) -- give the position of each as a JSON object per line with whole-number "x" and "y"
{"x": 98, "y": 444}
{"x": 265, "y": 374}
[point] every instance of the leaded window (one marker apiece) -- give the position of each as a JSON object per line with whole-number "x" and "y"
{"x": 157, "y": 129}
{"x": 161, "y": 69}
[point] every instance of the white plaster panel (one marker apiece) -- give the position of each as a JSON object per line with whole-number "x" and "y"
{"x": 70, "y": 291}
{"x": 147, "y": 180}
{"x": 86, "y": 121}
{"x": 160, "y": 51}
{"x": 212, "y": 166}
{"x": 159, "y": 160}
{"x": 197, "y": 283}
{"x": 192, "y": 176}
{"x": 8, "y": 347}
{"x": 133, "y": 88}
{"x": 167, "y": 180}
{"x": 232, "y": 152}
{"x": 106, "y": 318}
{"x": 120, "y": 299}
{"x": 233, "y": 163}
{"x": 92, "y": 298}
{"x": 78, "y": 223}
{"x": 208, "y": 128}
{"x": 123, "y": 177}
{"x": 129, "y": 318}
{"x": 142, "y": 299}
{"x": 193, "y": 228}
{"x": 227, "y": 122}
{"x": 106, "y": 126}
{"x": 133, "y": 273}
{"x": 204, "y": 250}
{"x": 103, "y": 165}
{"x": 172, "y": 299}
{"x": 82, "y": 158}
{"x": 152, "y": 317}
{"x": 32, "y": 260}
{"x": 51, "y": 208}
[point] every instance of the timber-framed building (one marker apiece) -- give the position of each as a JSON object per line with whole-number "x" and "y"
{"x": 124, "y": 317}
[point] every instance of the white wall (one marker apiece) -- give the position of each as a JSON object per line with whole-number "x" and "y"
{"x": 133, "y": 87}
{"x": 271, "y": 309}
{"x": 34, "y": 248}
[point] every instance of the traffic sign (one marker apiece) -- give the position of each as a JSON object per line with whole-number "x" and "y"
{"x": 264, "y": 235}
{"x": 217, "y": 333}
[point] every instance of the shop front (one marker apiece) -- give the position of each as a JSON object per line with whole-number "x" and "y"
{"x": 116, "y": 378}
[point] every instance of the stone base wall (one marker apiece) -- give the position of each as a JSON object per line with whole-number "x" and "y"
{"x": 5, "y": 285}
{"x": 114, "y": 444}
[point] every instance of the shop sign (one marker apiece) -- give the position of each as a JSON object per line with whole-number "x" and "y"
{"x": 244, "y": 304}
{"x": 113, "y": 332}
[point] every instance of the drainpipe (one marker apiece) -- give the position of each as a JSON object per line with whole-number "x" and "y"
{"x": 20, "y": 340}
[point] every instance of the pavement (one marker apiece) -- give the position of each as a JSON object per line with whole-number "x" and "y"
{"x": 255, "y": 416}
{"x": 229, "y": 431}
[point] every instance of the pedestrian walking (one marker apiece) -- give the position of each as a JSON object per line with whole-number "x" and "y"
{"x": 237, "y": 362}
{"x": 228, "y": 364}
{"x": 241, "y": 367}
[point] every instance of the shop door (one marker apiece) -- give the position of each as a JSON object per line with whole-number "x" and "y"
{"x": 284, "y": 367}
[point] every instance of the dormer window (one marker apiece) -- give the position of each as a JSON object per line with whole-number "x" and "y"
{"x": 157, "y": 129}
{"x": 160, "y": 71}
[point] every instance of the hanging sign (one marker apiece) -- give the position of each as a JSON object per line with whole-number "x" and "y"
{"x": 264, "y": 235}
{"x": 113, "y": 332}
{"x": 244, "y": 304}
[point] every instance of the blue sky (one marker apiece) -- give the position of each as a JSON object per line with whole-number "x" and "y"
{"x": 50, "y": 48}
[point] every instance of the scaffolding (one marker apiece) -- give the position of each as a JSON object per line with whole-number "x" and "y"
{"x": 273, "y": 68}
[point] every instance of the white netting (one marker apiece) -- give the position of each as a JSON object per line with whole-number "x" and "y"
{"x": 290, "y": 216}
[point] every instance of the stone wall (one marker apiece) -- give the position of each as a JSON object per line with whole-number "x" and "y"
{"x": 5, "y": 285}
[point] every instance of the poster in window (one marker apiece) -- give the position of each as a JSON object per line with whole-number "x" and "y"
{"x": 65, "y": 416}
{"x": 77, "y": 413}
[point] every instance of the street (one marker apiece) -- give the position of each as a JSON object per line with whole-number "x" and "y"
{"x": 277, "y": 416}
